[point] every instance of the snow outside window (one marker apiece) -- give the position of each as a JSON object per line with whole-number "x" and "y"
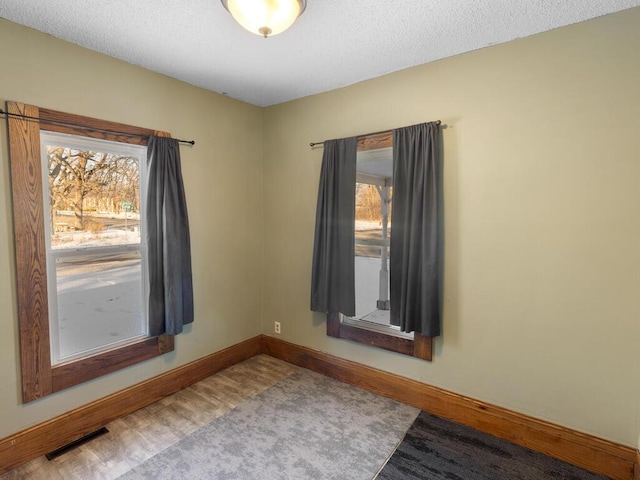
{"x": 96, "y": 254}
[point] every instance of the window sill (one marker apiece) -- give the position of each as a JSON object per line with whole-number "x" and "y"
{"x": 419, "y": 347}
{"x": 78, "y": 371}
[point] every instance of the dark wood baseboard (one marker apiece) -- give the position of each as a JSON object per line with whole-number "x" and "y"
{"x": 586, "y": 451}
{"x": 50, "y": 435}
{"x": 608, "y": 458}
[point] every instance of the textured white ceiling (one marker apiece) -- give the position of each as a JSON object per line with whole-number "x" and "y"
{"x": 333, "y": 44}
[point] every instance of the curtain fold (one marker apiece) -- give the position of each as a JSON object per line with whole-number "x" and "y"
{"x": 168, "y": 241}
{"x": 415, "y": 230}
{"x": 333, "y": 271}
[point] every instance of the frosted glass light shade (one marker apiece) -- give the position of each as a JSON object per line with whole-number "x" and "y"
{"x": 265, "y": 17}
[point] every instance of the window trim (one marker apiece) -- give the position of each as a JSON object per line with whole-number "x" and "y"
{"x": 39, "y": 377}
{"x": 420, "y": 346}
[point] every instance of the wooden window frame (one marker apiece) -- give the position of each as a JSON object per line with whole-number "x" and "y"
{"x": 420, "y": 346}
{"x": 39, "y": 376}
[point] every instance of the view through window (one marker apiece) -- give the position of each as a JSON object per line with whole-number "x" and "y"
{"x": 374, "y": 197}
{"x": 95, "y": 252}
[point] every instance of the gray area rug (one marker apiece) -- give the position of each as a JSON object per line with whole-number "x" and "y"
{"x": 435, "y": 449}
{"x": 308, "y": 426}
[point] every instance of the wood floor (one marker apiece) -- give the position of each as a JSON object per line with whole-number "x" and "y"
{"x": 135, "y": 438}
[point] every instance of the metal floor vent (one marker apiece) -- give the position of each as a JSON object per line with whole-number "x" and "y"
{"x": 76, "y": 443}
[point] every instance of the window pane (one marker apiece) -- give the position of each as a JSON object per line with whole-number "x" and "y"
{"x": 373, "y": 206}
{"x": 94, "y": 198}
{"x": 99, "y": 299}
{"x": 92, "y": 189}
{"x": 374, "y": 191}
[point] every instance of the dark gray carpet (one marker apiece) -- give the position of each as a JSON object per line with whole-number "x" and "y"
{"x": 308, "y": 426}
{"x": 435, "y": 449}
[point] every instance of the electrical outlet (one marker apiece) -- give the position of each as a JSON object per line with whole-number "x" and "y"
{"x": 276, "y": 326}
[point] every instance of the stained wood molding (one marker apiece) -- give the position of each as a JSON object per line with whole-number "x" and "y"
{"x": 63, "y": 122}
{"x": 586, "y": 451}
{"x": 375, "y": 141}
{"x": 39, "y": 377}
{"x": 69, "y": 374}
{"x": 47, "y": 436}
{"x": 419, "y": 346}
{"x": 616, "y": 461}
{"x": 31, "y": 270}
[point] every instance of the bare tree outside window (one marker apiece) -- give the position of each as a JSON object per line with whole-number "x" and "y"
{"x": 94, "y": 197}
{"x": 94, "y": 244}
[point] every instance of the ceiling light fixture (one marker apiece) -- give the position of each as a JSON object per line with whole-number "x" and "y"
{"x": 265, "y": 17}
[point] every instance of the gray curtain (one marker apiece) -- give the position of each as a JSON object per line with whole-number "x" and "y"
{"x": 415, "y": 230}
{"x": 168, "y": 241}
{"x": 332, "y": 276}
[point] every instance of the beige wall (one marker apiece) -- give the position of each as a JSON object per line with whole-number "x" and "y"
{"x": 541, "y": 204}
{"x": 223, "y": 179}
{"x": 542, "y": 222}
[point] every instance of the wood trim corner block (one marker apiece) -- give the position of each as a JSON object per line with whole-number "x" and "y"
{"x": 166, "y": 343}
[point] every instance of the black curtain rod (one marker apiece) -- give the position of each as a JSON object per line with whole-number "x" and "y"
{"x": 93, "y": 129}
{"x": 313, "y": 144}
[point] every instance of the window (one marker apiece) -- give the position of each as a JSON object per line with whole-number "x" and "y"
{"x": 373, "y": 201}
{"x": 95, "y": 256}
{"x": 374, "y": 196}
{"x": 43, "y": 224}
